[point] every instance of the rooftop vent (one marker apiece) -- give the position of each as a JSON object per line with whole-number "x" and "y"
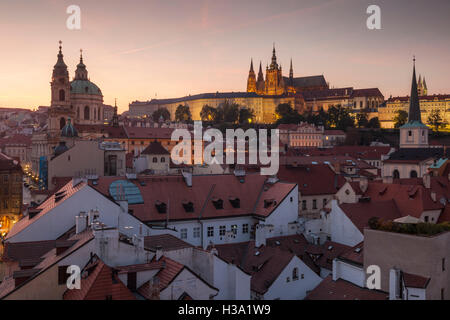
{"x": 277, "y": 243}
{"x": 358, "y": 250}
{"x": 235, "y": 202}
{"x": 269, "y": 202}
{"x": 364, "y": 199}
{"x": 33, "y": 212}
{"x": 330, "y": 248}
{"x": 188, "y": 206}
{"x": 257, "y": 253}
{"x": 161, "y": 206}
{"x": 218, "y": 203}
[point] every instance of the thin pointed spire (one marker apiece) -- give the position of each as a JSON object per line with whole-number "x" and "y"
{"x": 251, "y": 65}
{"x": 291, "y": 71}
{"x": 414, "y": 107}
{"x": 81, "y": 55}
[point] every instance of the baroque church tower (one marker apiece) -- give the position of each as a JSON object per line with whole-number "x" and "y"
{"x": 60, "y": 108}
{"x": 414, "y": 134}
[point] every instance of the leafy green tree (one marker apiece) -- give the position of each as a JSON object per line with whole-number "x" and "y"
{"x": 286, "y": 114}
{"x": 183, "y": 114}
{"x": 208, "y": 113}
{"x": 229, "y": 112}
{"x": 246, "y": 115}
{"x": 362, "y": 120}
{"x": 436, "y": 121}
{"x": 374, "y": 123}
{"x": 161, "y": 112}
{"x": 400, "y": 118}
{"x": 340, "y": 118}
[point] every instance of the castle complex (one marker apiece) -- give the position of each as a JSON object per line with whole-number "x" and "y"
{"x": 264, "y": 94}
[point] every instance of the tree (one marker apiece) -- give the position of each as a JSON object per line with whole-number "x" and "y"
{"x": 401, "y": 118}
{"x": 208, "y": 113}
{"x": 362, "y": 120}
{"x": 161, "y": 112}
{"x": 374, "y": 123}
{"x": 436, "y": 121}
{"x": 228, "y": 112}
{"x": 183, "y": 114}
{"x": 246, "y": 115}
{"x": 285, "y": 114}
{"x": 340, "y": 118}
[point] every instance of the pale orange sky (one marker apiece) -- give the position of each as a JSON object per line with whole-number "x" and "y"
{"x": 135, "y": 50}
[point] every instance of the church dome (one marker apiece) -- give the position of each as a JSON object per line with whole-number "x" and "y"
{"x": 84, "y": 87}
{"x": 69, "y": 130}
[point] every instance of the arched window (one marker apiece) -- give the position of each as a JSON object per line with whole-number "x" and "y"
{"x": 95, "y": 113}
{"x": 155, "y": 159}
{"x": 62, "y": 123}
{"x": 163, "y": 159}
{"x": 62, "y": 95}
{"x": 86, "y": 113}
{"x": 413, "y": 174}
{"x": 396, "y": 174}
{"x": 295, "y": 274}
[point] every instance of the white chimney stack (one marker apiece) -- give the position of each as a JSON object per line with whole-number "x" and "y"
{"x": 81, "y": 222}
{"x": 260, "y": 235}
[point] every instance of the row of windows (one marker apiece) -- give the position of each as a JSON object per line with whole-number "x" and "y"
{"x": 314, "y": 204}
{"x": 210, "y": 231}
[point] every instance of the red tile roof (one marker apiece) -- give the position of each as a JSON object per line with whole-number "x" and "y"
{"x": 167, "y": 242}
{"x": 66, "y": 192}
{"x": 410, "y": 199}
{"x": 354, "y": 254}
{"x": 264, "y": 264}
{"x": 155, "y": 148}
{"x": 17, "y": 251}
{"x": 99, "y": 283}
{"x": 252, "y": 191}
{"x": 415, "y": 281}
{"x": 307, "y": 178}
{"x": 360, "y": 213}
{"x": 343, "y": 290}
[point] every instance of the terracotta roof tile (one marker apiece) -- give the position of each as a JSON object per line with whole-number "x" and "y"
{"x": 415, "y": 281}
{"x": 343, "y": 290}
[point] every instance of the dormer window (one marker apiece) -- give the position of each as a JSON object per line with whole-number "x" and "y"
{"x": 218, "y": 203}
{"x": 161, "y": 206}
{"x": 188, "y": 206}
{"x": 235, "y": 202}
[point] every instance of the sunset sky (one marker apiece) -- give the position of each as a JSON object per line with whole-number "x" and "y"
{"x": 136, "y": 50}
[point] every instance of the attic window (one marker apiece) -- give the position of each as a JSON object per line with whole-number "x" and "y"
{"x": 330, "y": 248}
{"x": 161, "y": 206}
{"x": 358, "y": 250}
{"x": 188, "y": 206}
{"x": 257, "y": 253}
{"x": 218, "y": 203}
{"x": 269, "y": 202}
{"x": 33, "y": 212}
{"x": 235, "y": 202}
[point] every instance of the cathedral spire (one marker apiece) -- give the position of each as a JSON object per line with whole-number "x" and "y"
{"x": 260, "y": 73}
{"x": 251, "y": 65}
{"x": 274, "y": 64}
{"x": 115, "y": 119}
{"x": 414, "y": 107}
{"x": 291, "y": 71}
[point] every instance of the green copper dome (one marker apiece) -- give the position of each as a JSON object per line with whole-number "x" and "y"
{"x": 84, "y": 87}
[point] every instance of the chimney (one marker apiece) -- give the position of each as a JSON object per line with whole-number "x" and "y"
{"x": 187, "y": 178}
{"x": 158, "y": 253}
{"x": 363, "y": 184}
{"x": 260, "y": 235}
{"x": 81, "y": 222}
{"x": 433, "y": 196}
{"x": 93, "y": 216}
{"x": 394, "y": 284}
{"x": 427, "y": 180}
